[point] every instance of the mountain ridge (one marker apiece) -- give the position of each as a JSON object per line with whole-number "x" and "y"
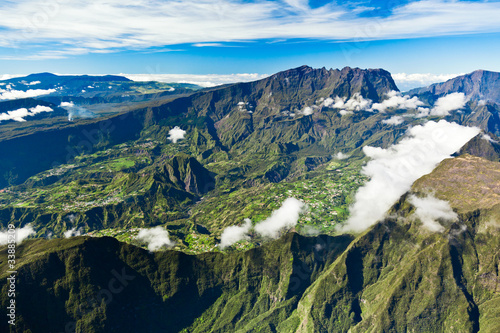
{"x": 212, "y": 106}
{"x": 192, "y": 166}
{"x": 478, "y": 85}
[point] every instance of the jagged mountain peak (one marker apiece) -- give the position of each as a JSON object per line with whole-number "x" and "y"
{"x": 305, "y": 69}
{"x": 345, "y": 82}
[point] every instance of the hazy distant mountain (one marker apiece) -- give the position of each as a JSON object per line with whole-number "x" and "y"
{"x": 479, "y": 85}
{"x": 93, "y": 89}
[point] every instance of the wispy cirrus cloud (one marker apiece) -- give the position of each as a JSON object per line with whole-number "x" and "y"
{"x": 113, "y": 25}
{"x": 52, "y": 54}
{"x": 208, "y": 44}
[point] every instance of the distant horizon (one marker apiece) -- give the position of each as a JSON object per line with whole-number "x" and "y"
{"x": 404, "y": 81}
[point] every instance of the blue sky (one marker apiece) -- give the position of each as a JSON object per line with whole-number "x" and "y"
{"x": 229, "y": 36}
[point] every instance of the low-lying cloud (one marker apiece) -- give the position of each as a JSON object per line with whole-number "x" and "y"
{"x": 20, "y": 234}
{"x": 72, "y": 233}
{"x": 429, "y": 210}
{"x": 341, "y": 156}
{"x": 345, "y": 112}
{"x": 8, "y": 94}
{"x": 307, "y": 111}
{"x": 156, "y": 238}
{"x": 394, "y": 120}
{"x": 20, "y": 114}
{"x": 281, "y": 219}
{"x": 488, "y": 138}
{"x": 286, "y": 216}
{"x": 176, "y": 134}
{"x": 451, "y": 102}
{"x": 355, "y": 103}
{"x": 396, "y": 100}
{"x": 392, "y": 171}
{"x": 234, "y": 234}
{"x": 444, "y": 105}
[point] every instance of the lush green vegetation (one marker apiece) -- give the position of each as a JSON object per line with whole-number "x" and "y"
{"x": 242, "y": 156}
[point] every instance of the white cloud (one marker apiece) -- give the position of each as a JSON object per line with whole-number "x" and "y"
{"x": 392, "y": 171}
{"x": 422, "y": 112}
{"x": 72, "y": 233}
{"x": 444, "y": 105}
{"x": 204, "y": 80}
{"x": 394, "y": 120}
{"x": 41, "y": 108}
{"x": 234, "y": 234}
{"x": 208, "y": 44}
{"x": 345, "y": 112}
{"x": 488, "y": 138}
{"x": 430, "y": 209}
{"x": 113, "y": 25}
{"x": 176, "y": 134}
{"x": 397, "y": 101}
{"x": 286, "y": 216}
{"x": 341, "y": 156}
{"x": 6, "y": 94}
{"x": 450, "y": 102}
{"x": 9, "y": 76}
{"x": 156, "y": 238}
{"x": 355, "y": 103}
{"x": 328, "y": 102}
{"x": 306, "y": 111}
{"x": 20, "y": 234}
{"x": 19, "y": 114}
{"x": 407, "y": 82}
